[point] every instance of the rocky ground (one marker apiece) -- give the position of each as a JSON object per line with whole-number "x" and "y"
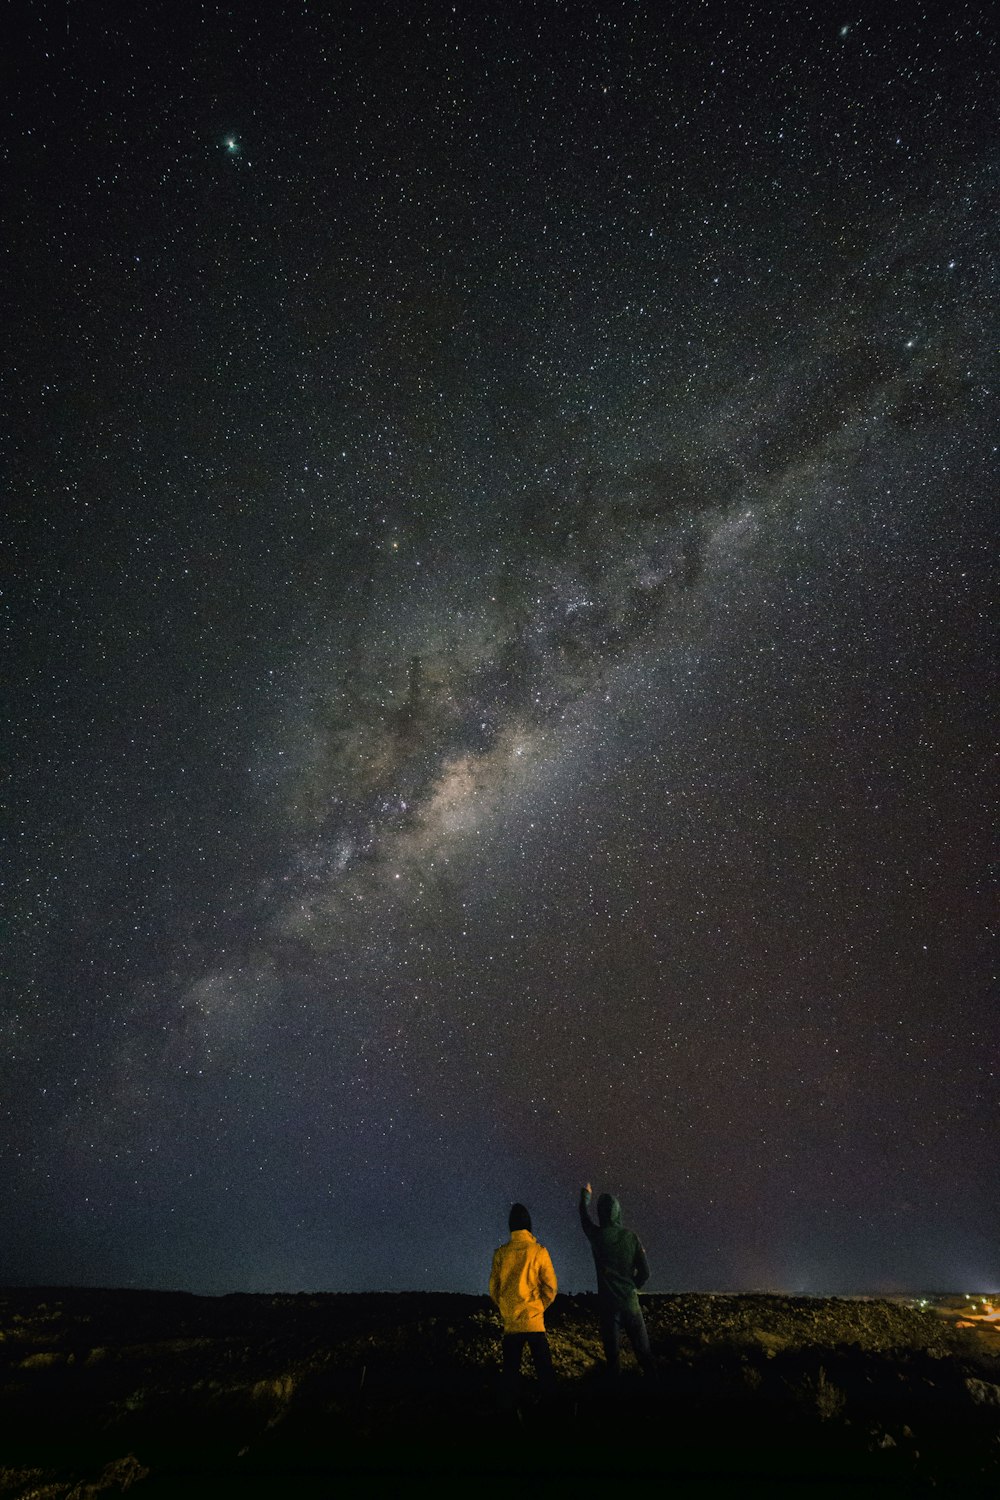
{"x": 107, "y": 1392}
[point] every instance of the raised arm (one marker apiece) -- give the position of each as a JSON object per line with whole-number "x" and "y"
{"x": 586, "y": 1222}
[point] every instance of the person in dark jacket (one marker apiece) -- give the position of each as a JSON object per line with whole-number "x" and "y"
{"x": 622, "y": 1269}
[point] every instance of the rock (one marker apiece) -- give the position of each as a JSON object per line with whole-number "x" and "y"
{"x": 983, "y": 1392}
{"x": 115, "y": 1478}
{"x": 43, "y": 1360}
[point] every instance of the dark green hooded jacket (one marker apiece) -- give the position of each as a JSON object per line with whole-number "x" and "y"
{"x": 619, "y": 1257}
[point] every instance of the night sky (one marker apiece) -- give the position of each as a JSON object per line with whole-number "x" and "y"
{"x": 500, "y": 524}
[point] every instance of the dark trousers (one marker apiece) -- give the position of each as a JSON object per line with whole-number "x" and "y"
{"x": 613, "y": 1320}
{"x": 513, "y": 1348}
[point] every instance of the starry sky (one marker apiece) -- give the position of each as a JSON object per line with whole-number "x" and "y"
{"x": 499, "y": 565}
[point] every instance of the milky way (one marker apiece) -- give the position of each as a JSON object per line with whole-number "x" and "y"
{"x": 501, "y": 649}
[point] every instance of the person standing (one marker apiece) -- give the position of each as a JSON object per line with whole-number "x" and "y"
{"x": 622, "y": 1268}
{"x": 523, "y": 1284}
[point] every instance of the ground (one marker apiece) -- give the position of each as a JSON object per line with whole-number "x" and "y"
{"x": 160, "y": 1393}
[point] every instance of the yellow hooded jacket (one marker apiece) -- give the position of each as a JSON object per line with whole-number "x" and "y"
{"x": 522, "y": 1282}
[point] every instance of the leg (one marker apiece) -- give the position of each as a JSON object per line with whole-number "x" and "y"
{"x": 635, "y": 1327}
{"x": 513, "y": 1346}
{"x": 541, "y": 1354}
{"x": 610, "y": 1337}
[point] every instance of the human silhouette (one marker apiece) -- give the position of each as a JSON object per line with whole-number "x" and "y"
{"x": 523, "y": 1284}
{"x": 622, "y": 1268}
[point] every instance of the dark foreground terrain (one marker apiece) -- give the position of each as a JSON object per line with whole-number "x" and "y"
{"x": 154, "y": 1394}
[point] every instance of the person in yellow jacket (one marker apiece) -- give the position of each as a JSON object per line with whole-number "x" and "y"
{"x": 523, "y": 1284}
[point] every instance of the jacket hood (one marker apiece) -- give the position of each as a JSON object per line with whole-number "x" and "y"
{"x": 609, "y": 1211}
